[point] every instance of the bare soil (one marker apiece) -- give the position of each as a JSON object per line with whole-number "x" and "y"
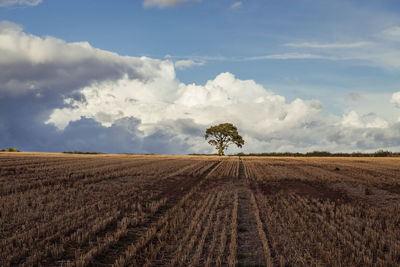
{"x": 133, "y": 210}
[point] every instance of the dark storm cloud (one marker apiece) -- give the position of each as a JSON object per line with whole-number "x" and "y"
{"x": 30, "y": 63}
{"x": 183, "y": 126}
{"x": 22, "y": 126}
{"x": 161, "y": 142}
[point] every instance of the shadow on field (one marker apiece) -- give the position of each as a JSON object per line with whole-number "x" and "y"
{"x": 308, "y": 189}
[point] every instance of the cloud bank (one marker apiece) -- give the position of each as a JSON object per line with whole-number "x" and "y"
{"x": 60, "y": 96}
{"x": 396, "y": 99}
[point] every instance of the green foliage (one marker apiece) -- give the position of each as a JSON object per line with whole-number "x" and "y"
{"x": 197, "y": 154}
{"x": 222, "y": 136}
{"x": 10, "y": 149}
{"x": 81, "y": 152}
{"x": 382, "y": 153}
{"x": 318, "y": 154}
{"x": 379, "y": 153}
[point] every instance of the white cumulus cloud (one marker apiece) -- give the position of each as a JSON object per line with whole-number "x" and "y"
{"x": 353, "y": 120}
{"x": 396, "y": 99}
{"x": 223, "y": 98}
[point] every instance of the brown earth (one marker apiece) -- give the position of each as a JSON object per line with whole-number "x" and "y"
{"x": 134, "y": 210}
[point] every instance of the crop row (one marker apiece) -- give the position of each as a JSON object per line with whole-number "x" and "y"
{"x": 74, "y": 220}
{"x": 308, "y": 232}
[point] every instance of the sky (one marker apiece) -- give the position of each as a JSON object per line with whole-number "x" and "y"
{"x": 149, "y": 76}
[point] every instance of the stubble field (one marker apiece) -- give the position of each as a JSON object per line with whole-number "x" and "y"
{"x": 126, "y": 210}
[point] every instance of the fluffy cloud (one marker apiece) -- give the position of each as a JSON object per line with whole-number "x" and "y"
{"x": 20, "y": 2}
{"x": 165, "y": 3}
{"x": 187, "y": 63}
{"x": 267, "y": 121}
{"x": 59, "y": 96}
{"x": 354, "y": 120}
{"x": 225, "y": 98}
{"x": 396, "y": 99}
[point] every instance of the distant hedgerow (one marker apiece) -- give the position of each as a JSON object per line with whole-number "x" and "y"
{"x": 10, "y": 149}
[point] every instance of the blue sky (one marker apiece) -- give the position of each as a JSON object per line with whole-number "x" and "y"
{"x": 225, "y": 38}
{"x": 342, "y": 54}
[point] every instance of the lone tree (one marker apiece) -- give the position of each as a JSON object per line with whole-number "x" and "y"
{"x": 222, "y": 136}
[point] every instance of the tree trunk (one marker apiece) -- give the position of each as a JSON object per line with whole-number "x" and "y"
{"x": 220, "y": 150}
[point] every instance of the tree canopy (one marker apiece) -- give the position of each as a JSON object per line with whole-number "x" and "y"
{"x": 222, "y": 135}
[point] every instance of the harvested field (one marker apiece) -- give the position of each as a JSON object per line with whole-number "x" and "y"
{"x": 131, "y": 210}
